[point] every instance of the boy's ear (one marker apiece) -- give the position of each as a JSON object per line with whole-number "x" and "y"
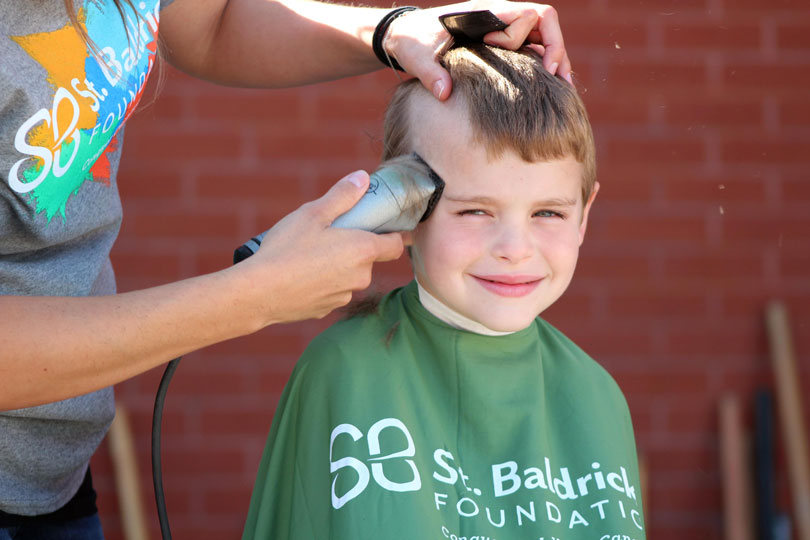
{"x": 407, "y": 238}
{"x": 584, "y": 223}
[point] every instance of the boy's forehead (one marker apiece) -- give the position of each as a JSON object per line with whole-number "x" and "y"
{"x": 441, "y": 133}
{"x": 470, "y": 176}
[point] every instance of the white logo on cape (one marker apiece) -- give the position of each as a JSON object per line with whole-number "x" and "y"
{"x": 545, "y": 493}
{"x": 377, "y": 467}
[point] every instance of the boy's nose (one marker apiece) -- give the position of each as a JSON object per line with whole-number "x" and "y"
{"x": 513, "y": 244}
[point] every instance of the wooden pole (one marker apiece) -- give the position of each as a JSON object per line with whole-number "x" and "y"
{"x": 127, "y": 486}
{"x": 790, "y": 415}
{"x": 734, "y": 464}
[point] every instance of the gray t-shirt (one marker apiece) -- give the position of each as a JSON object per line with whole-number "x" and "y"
{"x": 62, "y": 108}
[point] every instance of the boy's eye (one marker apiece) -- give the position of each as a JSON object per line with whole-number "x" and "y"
{"x": 472, "y": 212}
{"x": 549, "y": 214}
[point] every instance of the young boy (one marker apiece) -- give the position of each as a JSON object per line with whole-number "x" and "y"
{"x": 454, "y": 411}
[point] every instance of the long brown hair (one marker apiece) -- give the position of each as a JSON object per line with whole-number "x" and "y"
{"x": 70, "y": 8}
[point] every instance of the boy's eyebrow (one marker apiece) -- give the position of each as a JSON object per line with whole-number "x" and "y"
{"x": 554, "y": 201}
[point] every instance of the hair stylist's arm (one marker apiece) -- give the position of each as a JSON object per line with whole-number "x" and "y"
{"x": 53, "y": 348}
{"x": 278, "y": 43}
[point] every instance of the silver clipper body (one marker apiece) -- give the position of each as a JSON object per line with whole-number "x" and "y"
{"x": 401, "y": 193}
{"x": 397, "y": 199}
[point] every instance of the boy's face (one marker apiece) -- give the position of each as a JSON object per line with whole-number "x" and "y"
{"x": 502, "y": 243}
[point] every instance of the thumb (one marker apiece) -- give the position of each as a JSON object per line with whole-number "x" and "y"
{"x": 435, "y": 78}
{"x": 342, "y": 196}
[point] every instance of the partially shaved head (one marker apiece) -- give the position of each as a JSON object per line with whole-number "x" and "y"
{"x": 510, "y": 102}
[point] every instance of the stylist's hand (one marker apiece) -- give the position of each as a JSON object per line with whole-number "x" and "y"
{"x": 416, "y": 37}
{"x": 305, "y": 269}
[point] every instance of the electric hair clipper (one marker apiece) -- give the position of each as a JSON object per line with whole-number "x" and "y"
{"x": 401, "y": 193}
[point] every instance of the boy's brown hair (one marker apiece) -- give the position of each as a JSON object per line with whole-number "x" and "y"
{"x": 513, "y": 103}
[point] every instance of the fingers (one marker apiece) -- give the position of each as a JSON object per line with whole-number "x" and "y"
{"x": 433, "y": 77}
{"x": 306, "y": 268}
{"x": 513, "y": 36}
{"x": 340, "y": 197}
{"x": 415, "y": 40}
{"x": 540, "y": 26}
{"x": 565, "y": 70}
{"x": 437, "y": 81}
{"x": 555, "y": 58}
{"x": 388, "y": 247}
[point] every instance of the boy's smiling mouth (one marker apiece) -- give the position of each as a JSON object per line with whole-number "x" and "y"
{"x": 508, "y": 285}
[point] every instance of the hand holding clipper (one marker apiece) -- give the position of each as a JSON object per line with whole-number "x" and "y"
{"x": 401, "y": 193}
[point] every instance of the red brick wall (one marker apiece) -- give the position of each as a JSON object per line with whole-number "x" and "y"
{"x": 702, "y": 119}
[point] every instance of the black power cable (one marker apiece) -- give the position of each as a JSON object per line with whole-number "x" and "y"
{"x": 157, "y": 469}
{"x": 242, "y": 253}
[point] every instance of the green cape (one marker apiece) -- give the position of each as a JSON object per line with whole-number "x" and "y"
{"x": 396, "y": 425}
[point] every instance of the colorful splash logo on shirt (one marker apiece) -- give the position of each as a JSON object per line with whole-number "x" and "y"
{"x": 66, "y": 144}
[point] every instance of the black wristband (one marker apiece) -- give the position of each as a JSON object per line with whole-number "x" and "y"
{"x": 379, "y": 35}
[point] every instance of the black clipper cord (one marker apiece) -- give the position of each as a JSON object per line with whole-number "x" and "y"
{"x": 239, "y": 255}
{"x": 157, "y": 468}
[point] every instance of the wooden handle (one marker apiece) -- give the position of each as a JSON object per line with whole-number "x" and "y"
{"x": 790, "y": 415}
{"x": 127, "y": 486}
{"x": 737, "y": 490}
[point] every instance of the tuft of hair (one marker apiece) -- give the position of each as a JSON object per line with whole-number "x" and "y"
{"x": 362, "y": 307}
{"x": 389, "y": 336}
{"x": 513, "y": 103}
